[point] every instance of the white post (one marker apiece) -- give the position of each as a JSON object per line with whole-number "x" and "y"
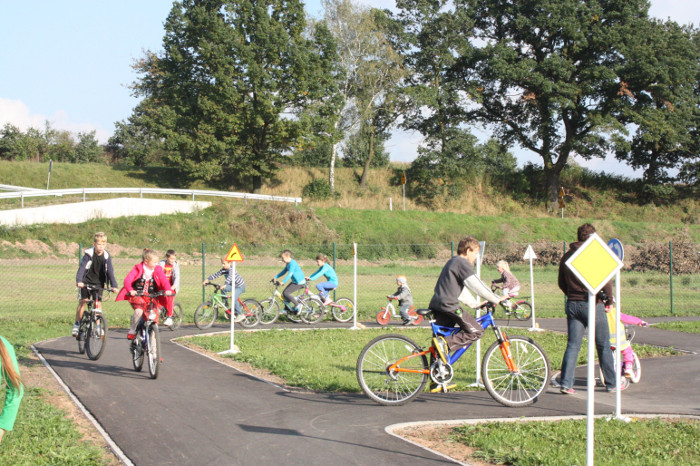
{"x": 479, "y": 382}
{"x": 590, "y": 410}
{"x": 530, "y": 254}
{"x": 390, "y": 207}
{"x": 232, "y": 349}
{"x": 618, "y": 353}
{"x": 354, "y": 286}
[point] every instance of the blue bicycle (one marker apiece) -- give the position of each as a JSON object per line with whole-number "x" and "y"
{"x": 393, "y": 369}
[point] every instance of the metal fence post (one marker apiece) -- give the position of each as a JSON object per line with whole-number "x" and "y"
{"x": 452, "y": 248}
{"x": 334, "y": 267}
{"x": 670, "y": 255}
{"x": 204, "y": 269}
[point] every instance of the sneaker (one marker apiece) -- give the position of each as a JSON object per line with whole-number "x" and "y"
{"x": 130, "y": 336}
{"x": 168, "y": 322}
{"x": 628, "y": 370}
{"x": 298, "y": 309}
{"x": 441, "y": 347}
{"x": 567, "y": 391}
{"x": 613, "y": 390}
{"x": 239, "y": 317}
{"x": 327, "y": 301}
{"x": 75, "y": 330}
{"x": 439, "y": 388}
{"x": 407, "y": 322}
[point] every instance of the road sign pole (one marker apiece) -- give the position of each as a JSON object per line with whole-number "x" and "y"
{"x": 590, "y": 410}
{"x": 354, "y": 287}
{"x": 233, "y": 349}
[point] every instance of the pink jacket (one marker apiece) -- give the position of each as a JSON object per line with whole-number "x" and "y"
{"x": 159, "y": 278}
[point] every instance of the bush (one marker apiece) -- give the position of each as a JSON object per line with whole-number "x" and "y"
{"x": 318, "y": 190}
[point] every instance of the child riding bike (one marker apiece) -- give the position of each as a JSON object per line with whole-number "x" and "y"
{"x": 293, "y": 272}
{"x": 145, "y": 278}
{"x": 508, "y": 284}
{"x": 329, "y": 274}
{"x": 228, "y": 285}
{"x": 405, "y": 299}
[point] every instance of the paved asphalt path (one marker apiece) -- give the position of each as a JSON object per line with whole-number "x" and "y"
{"x": 199, "y": 411}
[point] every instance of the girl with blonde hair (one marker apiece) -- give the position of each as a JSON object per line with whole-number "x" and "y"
{"x": 14, "y": 389}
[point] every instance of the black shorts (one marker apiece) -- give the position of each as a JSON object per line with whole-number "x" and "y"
{"x": 87, "y": 294}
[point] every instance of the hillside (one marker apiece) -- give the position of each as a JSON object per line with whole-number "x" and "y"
{"x": 357, "y": 215}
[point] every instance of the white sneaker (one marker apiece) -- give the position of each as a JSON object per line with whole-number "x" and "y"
{"x": 76, "y": 329}
{"x": 239, "y": 318}
{"x": 168, "y": 322}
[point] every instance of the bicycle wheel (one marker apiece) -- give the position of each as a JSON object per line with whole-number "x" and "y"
{"x": 520, "y": 387}
{"x": 153, "y": 351}
{"x": 177, "y": 317}
{"x": 82, "y": 336}
{"x": 392, "y": 388}
{"x": 269, "y": 311}
{"x": 345, "y": 311}
{"x": 384, "y": 316}
{"x": 205, "y": 315}
{"x": 312, "y": 310}
{"x": 522, "y": 310}
{"x": 418, "y": 318}
{"x": 96, "y": 337}
{"x": 137, "y": 351}
{"x": 251, "y": 311}
{"x": 636, "y": 370}
{"x": 292, "y": 316}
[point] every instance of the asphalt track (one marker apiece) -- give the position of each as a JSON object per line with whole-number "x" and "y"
{"x": 201, "y": 412}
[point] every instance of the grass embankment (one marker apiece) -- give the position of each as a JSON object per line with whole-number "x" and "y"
{"x": 687, "y": 327}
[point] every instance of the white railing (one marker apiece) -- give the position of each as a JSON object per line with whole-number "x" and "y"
{"x": 141, "y": 191}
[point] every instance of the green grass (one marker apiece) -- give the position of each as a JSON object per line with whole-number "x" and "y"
{"x": 286, "y": 353}
{"x": 44, "y": 435}
{"x": 641, "y": 442}
{"x": 688, "y": 327}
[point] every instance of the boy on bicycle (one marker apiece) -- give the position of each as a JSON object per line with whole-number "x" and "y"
{"x": 144, "y": 279}
{"x": 95, "y": 270}
{"x": 293, "y": 272}
{"x": 329, "y": 274}
{"x": 458, "y": 273}
{"x": 405, "y": 299}
{"x": 228, "y": 286}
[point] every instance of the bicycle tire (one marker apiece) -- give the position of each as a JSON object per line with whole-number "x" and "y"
{"x": 177, "y": 317}
{"x": 384, "y": 317}
{"x": 205, "y": 315}
{"x": 522, "y": 310}
{"x": 137, "y": 353}
{"x": 391, "y": 389}
{"x": 96, "y": 337}
{"x": 153, "y": 350}
{"x": 251, "y": 310}
{"x": 292, "y": 316}
{"x": 269, "y": 311}
{"x": 418, "y": 318}
{"x": 636, "y": 369}
{"x": 527, "y": 384}
{"x": 82, "y": 336}
{"x": 345, "y": 312}
{"x": 312, "y": 310}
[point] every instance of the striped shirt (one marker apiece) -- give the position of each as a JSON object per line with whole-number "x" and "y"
{"x": 239, "y": 280}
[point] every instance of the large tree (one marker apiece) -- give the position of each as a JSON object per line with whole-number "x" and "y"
{"x": 548, "y": 74}
{"x": 224, "y": 92}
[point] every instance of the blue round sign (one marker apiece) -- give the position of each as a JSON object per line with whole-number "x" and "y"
{"x": 616, "y": 246}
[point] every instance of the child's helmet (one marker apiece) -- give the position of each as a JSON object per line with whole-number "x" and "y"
{"x": 401, "y": 279}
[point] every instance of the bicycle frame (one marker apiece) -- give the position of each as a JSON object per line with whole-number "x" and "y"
{"x": 485, "y": 321}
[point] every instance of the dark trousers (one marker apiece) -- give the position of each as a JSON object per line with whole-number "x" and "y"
{"x": 288, "y": 292}
{"x": 470, "y": 329}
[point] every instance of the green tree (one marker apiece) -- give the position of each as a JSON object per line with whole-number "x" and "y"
{"x": 87, "y": 149}
{"x": 224, "y": 92}
{"x": 357, "y": 148}
{"x": 133, "y": 144}
{"x": 546, "y": 74}
{"x": 660, "y": 83}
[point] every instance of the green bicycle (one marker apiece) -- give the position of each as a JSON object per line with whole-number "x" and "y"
{"x": 208, "y": 311}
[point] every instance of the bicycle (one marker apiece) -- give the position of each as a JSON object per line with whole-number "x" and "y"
{"x": 342, "y": 309}
{"x": 147, "y": 339}
{"x": 177, "y": 316}
{"x": 522, "y": 310}
{"x": 389, "y": 311}
{"x": 207, "y": 312}
{"x": 92, "y": 333}
{"x": 311, "y": 307}
{"x": 636, "y": 365}
{"x": 393, "y": 369}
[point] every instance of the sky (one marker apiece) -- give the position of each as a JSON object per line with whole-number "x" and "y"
{"x": 69, "y": 63}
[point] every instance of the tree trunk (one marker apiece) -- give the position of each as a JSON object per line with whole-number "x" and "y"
{"x": 331, "y": 170}
{"x": 552, "y": 176}
{"x": 363, "y": 179}
{"x": 257, "y": 184}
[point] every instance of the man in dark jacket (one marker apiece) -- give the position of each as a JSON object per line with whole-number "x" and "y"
{"x": 577, "y": 320}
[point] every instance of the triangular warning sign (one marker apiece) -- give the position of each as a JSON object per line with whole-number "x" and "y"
{"x": 234, "y": 254}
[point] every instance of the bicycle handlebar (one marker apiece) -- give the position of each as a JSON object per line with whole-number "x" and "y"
{"x": 152, "y": 295}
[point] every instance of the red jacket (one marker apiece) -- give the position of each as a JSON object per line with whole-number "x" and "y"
{"x": 161, "y": 281}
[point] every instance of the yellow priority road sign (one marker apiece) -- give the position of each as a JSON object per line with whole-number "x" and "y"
{"x": 234, "y": 254}
{"x": 594, "y": 263}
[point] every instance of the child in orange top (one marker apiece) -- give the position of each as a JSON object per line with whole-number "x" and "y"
{"x": 146, "y": 277}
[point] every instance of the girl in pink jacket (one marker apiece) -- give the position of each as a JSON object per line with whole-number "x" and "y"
{"x": 144, "y": 279}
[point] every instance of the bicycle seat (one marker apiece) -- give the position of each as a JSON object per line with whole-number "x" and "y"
{"x": 423, "y": 312}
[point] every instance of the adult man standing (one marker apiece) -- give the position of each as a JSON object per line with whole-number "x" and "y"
{"x": 577, "y": 320}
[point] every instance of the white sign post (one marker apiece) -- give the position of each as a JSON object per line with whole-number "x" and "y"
{"x": 616, "y": 246}
{"x": 234, "y": 255}
{"x": 594, "y": 264}
{"x": 530, "y": 255}
{"x": 354, "y": 289}
{"x": 478, "y": 382}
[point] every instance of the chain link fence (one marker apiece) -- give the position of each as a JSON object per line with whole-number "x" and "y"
{"x": 657, "y": 280}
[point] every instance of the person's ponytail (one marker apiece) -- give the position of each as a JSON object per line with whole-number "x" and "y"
{"x": 9, "y": 372}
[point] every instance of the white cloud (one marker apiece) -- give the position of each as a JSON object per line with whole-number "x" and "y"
{"x": 16, "y": 113}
